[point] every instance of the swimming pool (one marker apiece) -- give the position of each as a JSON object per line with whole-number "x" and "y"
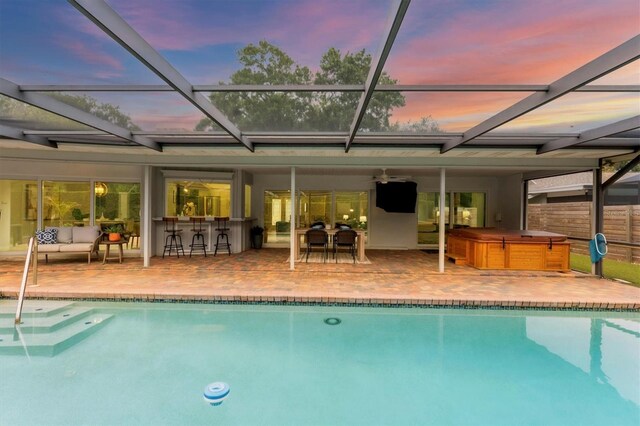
{"x": 150, "y": 363}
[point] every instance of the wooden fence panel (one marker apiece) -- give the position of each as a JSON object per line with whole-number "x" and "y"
{"x": 621, "y": 223}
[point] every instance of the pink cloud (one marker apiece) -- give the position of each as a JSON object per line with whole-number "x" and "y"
{"x": 303, "y": 29}
{"x": 516, "y": 43}
{"x": 150, "y": 121}
{"x": 91, "y": 54}
{"x": 454, "y": 111}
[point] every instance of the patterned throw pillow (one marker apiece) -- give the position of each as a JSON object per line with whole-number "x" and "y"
{"x": 49, "y": 236}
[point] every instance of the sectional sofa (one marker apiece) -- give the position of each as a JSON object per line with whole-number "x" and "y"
{"x": 69, "y": 240}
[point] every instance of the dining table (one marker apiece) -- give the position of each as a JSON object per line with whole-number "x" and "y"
{"x": 360, "y": 240}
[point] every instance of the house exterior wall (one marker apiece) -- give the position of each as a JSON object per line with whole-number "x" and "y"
{"x": 385, "y": 230}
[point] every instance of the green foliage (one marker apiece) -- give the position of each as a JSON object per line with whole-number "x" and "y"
{"x": 266, "y": 64}
{"x": 612, "y": 269}
{"x": 610, "y": 166}
{"x": 113, "y": 229}
{"x": 41, "y": 119}
{"x": 108, "y": 112}
{"x": 77, "y": 214}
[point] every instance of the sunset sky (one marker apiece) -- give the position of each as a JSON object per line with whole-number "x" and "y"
{"x": 440, "y": 42}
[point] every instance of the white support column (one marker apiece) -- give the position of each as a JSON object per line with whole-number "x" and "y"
{"x": 292, "y": 226}
{"x": 237, "y": 211}
{"x": 441, "y": 222}
{"x": 147, "y": 223}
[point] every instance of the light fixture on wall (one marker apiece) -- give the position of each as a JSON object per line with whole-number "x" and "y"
{"x": 101, "y": 189}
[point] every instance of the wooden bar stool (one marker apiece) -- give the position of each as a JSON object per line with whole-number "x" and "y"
{"x": 222, "y": 240}
{"x": 174, "y": 236}
{"x": 197, "y": 241}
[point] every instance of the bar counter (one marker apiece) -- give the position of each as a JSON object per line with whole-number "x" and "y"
{"x": 238, "y": 234}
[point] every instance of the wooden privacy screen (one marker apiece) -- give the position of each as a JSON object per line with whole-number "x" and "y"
{"x": 490, "y": 248}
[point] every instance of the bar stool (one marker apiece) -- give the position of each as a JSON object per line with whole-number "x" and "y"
{"x": 222, "y": 240}
{"x": 134, "y": 241}
{"x": 197, "y": 241}
{"x": 174, "y": 237}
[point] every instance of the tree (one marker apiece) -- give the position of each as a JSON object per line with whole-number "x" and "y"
{"x": 267, "y": 64}
{"x": 30, "y": 116}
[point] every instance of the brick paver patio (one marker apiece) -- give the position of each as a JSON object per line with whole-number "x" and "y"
{"x": 393, "y": 277}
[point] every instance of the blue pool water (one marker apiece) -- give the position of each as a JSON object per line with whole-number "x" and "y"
{"x": 151, "y": 362}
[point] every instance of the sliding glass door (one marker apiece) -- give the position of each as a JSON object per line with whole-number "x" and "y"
{"x": 462, "y": 210}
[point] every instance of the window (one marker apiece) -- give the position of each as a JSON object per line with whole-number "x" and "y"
{"x": 247, "y": 201}
{"x": 429, "y": 216}
{"x": 116, "y": 203}
{"x": 468, "y": 211}
{"x": 352, "y": 208}
{"x": 18, "y": 213}
{"x": 315, "y": 206}
{"x": 65, "y": 203}
{"x": 190, "y": 198}
{"x": 277, "y": 216}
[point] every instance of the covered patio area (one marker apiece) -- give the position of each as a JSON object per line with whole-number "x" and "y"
{"x": 393, "y": 278}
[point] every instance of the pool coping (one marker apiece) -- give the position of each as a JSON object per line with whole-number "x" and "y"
{"x": 342, "y": 301}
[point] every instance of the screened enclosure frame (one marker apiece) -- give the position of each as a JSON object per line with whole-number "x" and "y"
{"x": 622, "y": 134}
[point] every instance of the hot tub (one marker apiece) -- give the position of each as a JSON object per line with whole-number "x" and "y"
{"x": 492, "y": 248}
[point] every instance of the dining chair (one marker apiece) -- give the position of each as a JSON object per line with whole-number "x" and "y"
{"x": 345, "y": 238}
{"x": 319, "y": 238}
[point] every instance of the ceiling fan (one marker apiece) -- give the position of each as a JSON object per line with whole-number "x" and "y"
{"x": 384, "y": 177}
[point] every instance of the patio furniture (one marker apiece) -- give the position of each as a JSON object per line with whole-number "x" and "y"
{"x": 197, "y": 240}
{"x": 222, "y": 240}
{"x": 345, "y": 238}
{"x": 69, "y": 239}
{"x": 173, "y": 241}
{"x": 360, "y": 242}
{"x": 319, "y": 238}
{"x": 108, "y": 245}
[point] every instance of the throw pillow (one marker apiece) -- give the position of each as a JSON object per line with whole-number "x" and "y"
{"x": 48, "y": 236}
{"x": 85, "y": 234}
{"x": 64, "y": 233}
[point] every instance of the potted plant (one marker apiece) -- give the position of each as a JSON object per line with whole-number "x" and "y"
{"x": 256, "y": 233}
{"x": 114, "y": 231}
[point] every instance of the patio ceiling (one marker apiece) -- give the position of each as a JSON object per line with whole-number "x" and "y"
{"x": 550, "y": 80}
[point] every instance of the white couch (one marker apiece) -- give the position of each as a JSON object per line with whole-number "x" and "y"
{"x": 73, "y": 239}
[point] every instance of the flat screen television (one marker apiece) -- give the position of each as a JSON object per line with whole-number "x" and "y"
{"x": 397, "y": 197}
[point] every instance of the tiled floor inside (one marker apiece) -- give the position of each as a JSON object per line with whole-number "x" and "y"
{"x": 392, "y": 278}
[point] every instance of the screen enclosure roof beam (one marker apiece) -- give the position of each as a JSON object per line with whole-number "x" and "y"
{"x": 319, "y": 88}
{"x": 55, "y": 106}
{"x": 15, "y": 133}
{"x": 620, "y": 173}
{"x": 377, "y": 65}
{"x": 101, "y": 14}
{"x": 593, "y": 134}
{"x": 617, "y": 57}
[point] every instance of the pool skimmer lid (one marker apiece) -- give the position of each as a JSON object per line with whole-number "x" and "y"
{"x": 332, "y": 321}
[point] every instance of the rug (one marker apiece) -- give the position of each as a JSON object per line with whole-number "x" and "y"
{"x": 317, "y": 257}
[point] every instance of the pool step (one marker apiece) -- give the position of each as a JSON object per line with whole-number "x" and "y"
{"x": 32, "y": 308}
{"x": 22, "y": 340}
{"x": 45, "y": 324}
{"x": 47, "y": 327}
